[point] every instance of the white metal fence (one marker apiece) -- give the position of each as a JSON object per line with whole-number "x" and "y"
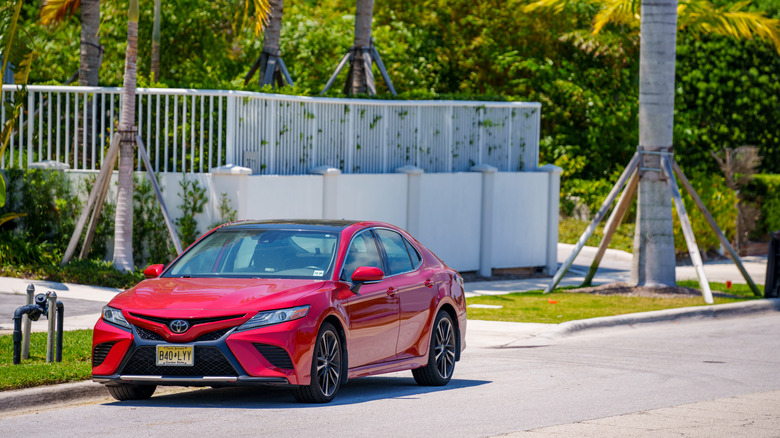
{"x": 194, "y": 130}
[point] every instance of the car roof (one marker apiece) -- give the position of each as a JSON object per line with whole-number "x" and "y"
{"x": 303, "y": 224}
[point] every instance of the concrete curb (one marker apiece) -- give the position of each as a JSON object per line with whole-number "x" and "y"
{"x": 717, "y": 311}
{"x": 42, "y": 396}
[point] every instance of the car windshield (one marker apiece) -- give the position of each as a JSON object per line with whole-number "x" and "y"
{"x": 261, "y": 253}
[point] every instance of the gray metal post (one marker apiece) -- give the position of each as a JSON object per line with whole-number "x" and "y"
{"x": 27, "y": 324}
{"x": 52, "y": 297}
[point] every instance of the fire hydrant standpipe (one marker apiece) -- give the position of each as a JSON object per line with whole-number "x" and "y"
{"x": 42, "y": 305}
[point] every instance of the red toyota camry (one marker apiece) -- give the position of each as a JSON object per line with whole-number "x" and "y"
{"x": 307, "y": 304}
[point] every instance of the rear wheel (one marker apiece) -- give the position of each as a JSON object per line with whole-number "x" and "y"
{"x": 131, "y": 392}
{"x": 441, "y": 354}
{"x": 325, "y": 368}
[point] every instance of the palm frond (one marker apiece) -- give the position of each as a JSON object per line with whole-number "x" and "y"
{"x": 262, "y": 13}
{"x": 556, "y": 6}
{"x": 10, "y": 216}
{"x": 54, "y": 12}
{"x": 618, "y": 12}
{"x": 701, "y": 17}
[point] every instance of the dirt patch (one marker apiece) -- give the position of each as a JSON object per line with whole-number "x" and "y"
{"x": 625, "y": 289}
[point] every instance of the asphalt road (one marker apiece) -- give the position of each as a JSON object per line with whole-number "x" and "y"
{"x": 536, "y": 383}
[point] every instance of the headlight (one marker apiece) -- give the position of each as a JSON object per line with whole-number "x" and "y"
{"x": 271, "y": 317}
{"x": 114, "y": 316}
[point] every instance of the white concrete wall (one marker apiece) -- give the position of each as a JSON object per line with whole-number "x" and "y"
{"x": 444, "y": 211}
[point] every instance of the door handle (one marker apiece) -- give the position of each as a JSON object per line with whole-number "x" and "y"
{"x": 428, "y": 283}
{"x": 391, "y": 291}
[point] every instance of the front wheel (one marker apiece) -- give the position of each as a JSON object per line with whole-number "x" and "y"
{"x": 441, "y": 354}
{"x": 131, "y": 392}
{"x": 325, "y": 368}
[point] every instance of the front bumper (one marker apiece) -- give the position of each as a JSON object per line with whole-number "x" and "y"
{"x": 271, "y": 355}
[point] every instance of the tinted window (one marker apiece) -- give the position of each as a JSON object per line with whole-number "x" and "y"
{"x": 397, "y": 255}
{"x": 250, "y": 252}
{"x": 362, "y": 252}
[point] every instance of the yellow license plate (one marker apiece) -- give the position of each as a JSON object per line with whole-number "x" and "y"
{"x": 175, "y": 355}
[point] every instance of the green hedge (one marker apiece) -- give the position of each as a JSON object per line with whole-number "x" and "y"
{"x": 763, "y": 191}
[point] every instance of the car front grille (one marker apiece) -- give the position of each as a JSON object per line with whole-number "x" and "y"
{"x": 276, "y": 355}
{"x": 100, "y": 352}
{"x": 209, "y": 361}
{"x": 149, "y": 335}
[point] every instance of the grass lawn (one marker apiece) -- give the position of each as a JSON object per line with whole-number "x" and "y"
{"x": 557, "y": 307}
{"x": 76, "y": 361}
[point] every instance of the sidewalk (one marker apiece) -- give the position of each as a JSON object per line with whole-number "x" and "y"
{"x": 616, "y": 267}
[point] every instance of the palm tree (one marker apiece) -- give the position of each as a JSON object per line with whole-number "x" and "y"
{"x": 155, "y": 70}
{"x": 123, "y": 223}
{"x": 694, "y": 16}
{"x": 654, "y": 257}
{"x": 54, "y": 11}
{"x": 364, "y": 12}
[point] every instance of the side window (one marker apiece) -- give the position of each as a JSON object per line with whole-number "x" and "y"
{"x": 397, "y": 255}
{"x": 362, "y": 252}
{"x": 413, "y": 254}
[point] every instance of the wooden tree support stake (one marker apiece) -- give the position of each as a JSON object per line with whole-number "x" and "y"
{"x": 714, "y": 226}
{"x": 592, "y": 227}
{"x": 690, "y": 239}
{"x": 364, "y": 55}
{"x": 153, "y": 179}
{"x": 612, "y": 223}
{"x": 98, "y": 191}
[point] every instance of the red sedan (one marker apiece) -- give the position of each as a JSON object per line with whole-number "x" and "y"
{"x": 307, "y": 304}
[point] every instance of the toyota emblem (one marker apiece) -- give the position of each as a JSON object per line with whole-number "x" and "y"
{"x": 179, "y": 326}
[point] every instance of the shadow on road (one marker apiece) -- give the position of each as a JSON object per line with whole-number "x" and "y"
{"x": 360, "y": 390}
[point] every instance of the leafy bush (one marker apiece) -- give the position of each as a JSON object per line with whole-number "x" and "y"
{"x": 193, "y": 198}
{"x": 151, "y": 241}
{"x": 763, "y": 191}
{"x": 721, "y": 203}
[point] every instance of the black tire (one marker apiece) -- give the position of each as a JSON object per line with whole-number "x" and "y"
{"x": 326, "y": 368}
{"x": 131, "y": 392}
{"x": 441, "y": 354}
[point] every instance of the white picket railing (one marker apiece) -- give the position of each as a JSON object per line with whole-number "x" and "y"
{"x": 195, "y": 130}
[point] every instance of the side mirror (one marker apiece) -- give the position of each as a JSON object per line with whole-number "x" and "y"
{"x": 153, "y": 271}
{"x": 367, "y": 274}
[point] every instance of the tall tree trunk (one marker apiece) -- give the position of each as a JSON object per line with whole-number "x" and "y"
{"x": 123, "y": 224}
{"x": 363, "y": 15}
{"x": 156, "y": 42}
{"x": 90, "y": 43}
{"x": 654, "y": 259}
{"x": 273, "y": 30}
{"x": 273, "y": 33}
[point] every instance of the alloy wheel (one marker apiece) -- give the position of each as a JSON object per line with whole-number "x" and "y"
{"x": 444, "y": 348}
{"x": 328, "y": 363}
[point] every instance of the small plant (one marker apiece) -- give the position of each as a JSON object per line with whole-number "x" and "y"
{"x": 151, "y": 241}
{"x": 226, "y": 212}
{"x": 193, "y": 198}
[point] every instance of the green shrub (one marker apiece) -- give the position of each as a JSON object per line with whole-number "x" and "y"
{"x": 721, "y": 203}
{"x": 763, "y": 191}
{"x": 193, "y": 198}
{"x": 151, "y": 241}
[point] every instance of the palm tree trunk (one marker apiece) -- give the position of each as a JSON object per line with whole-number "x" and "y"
{"x": 123, "y": 224}
{"x": 273, "y": 33}
{"x": 363, "y": 15}
{"x": 156, "y": 43}
{"x": 90, "y": 43}
{"x": 654, "y": 259}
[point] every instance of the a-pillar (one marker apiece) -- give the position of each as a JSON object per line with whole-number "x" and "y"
{"x": 413, "y": 198}
{"x": 486, "y": 218}
{"x": 330, "y": 190}
{"x": 553, "y": 206}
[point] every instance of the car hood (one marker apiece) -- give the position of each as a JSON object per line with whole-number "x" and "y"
{"x": 205, "y": 295}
